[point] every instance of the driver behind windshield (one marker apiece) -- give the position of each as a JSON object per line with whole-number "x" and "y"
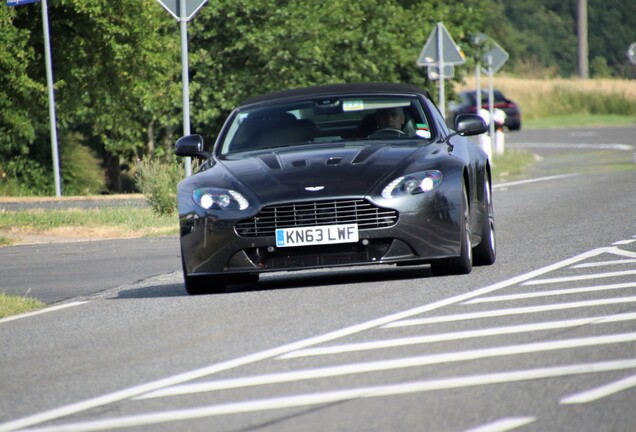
{"x": 392, "y": 118}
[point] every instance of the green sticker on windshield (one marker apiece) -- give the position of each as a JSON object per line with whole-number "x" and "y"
{"x": 353, "y": 105}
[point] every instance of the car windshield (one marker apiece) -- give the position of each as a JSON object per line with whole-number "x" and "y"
{"x": 325, "y": 120}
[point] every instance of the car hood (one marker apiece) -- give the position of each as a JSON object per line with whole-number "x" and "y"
{"x": 319, "y": 173}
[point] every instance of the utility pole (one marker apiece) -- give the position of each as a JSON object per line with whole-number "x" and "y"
{"x": 582, "y": 37}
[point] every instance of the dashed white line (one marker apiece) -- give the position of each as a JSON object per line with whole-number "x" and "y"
{"x": 384, "y": 365}
{"x": 42, "y": 311}
{"x": 535, "y": 180}
{"x": 304, "y": 400}
{"x": 504, "y": 425}
{"x": 604, "y": 263}
{"x": 601, "y": 392}
{"x": 580, "y": 146}
{"x": 511, "y": 311}
{"x": 624, "y": 242}
{"x": 580, "y": 277}
{"x": 134, "y": 391}
{"x": 561, "y": 292}
{"x": 445, "y": 337}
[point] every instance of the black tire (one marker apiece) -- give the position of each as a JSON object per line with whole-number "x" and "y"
{"x": 485, "y": 253}
{"x": 463, "y": 264}
{"x": 199, "y": 285}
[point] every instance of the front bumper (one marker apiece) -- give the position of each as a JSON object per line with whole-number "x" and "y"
{"x": 425, "y": 231}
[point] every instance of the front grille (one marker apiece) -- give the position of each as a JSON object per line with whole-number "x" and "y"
{"x": 319, "y": 256}
{"x": 361, "y": 212}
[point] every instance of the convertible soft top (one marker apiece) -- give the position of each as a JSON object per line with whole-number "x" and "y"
{"x": 338, "y": 89}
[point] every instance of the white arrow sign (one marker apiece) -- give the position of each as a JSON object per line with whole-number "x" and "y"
{"x": 441, "y": 51}
{"x": 174, "y": 7}
{"x": 449, "y": 52}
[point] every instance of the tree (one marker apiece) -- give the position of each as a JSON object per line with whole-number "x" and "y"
{"x": 116, "y": 74}
{"x": 241, "y": 48}
{"x": 21, "y": 96}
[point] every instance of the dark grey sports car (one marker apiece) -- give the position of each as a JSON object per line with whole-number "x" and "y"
{"x": 331, "y": 176}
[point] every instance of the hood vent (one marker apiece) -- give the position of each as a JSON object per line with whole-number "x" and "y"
{"x": 365, "y": 153}
{"x": 299, "y": 163}
{"x": 270, "y": 160}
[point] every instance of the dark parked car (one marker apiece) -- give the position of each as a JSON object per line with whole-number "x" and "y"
{"x": 467, "y": 103}
{"x": 316, "y": 177}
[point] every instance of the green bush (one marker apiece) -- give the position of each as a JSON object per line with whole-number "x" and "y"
{"x": 80, "y": 169}
{"x": 158, "y": 182}
{"x": 599, "y": 68}
{"x": 23, "y": 176}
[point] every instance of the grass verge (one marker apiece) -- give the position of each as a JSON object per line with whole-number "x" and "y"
{"x": 6, "y": 241}
{"x": 579, "y": 120}
{"x": 13, "y": 305}
{"x": 108, "y": 222}
{"x": 512, "y": 164}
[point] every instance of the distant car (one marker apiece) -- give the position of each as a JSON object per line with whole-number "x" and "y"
{"x": 467, "y": 104}
{"x": 308, "y": 179}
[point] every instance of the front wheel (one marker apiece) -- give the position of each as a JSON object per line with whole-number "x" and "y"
{"x": 485, "y": 252}
{"x": 198, "y": 285}
{"x": 463, "y": 264}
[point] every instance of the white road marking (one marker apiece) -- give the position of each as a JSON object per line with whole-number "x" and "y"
{"x": 623, "y": 242}
{"x": 131, "y": 392}
{"x": 608, "y": 146}
{"x": 535, "y": 180}
{"x": 580, "y": 277}
{"x": 539, "y": 294}
{"x": 384, "y": 365}
{"x": 601, "y": 392}
{"x": 511, "y": 311}
{"x": 605, "y": 263}
{"x": 41, "y": 311}
{"x": 304, "y": 400}
{"x": 445, "y": 337}
{"x": 621, "y": 252}
{"x": 504, "y": 425}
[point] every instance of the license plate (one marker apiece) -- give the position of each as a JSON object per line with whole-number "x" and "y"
{"x": 318, "y": 235}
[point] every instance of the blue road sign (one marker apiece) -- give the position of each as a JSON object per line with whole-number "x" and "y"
{"x": 19, "y": 2}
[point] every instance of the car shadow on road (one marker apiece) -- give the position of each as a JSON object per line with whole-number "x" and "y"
{"x": 278, "y": 281}
{"x": 283, "y": 281}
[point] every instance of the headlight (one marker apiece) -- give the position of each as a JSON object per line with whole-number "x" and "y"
{"x": 220, "y": 199}
{"x": 420, "y": 182}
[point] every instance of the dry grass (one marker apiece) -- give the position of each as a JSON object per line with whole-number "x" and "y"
{"x": 517, "y": 87}
{"x": 73, "y": 224}
{"x": 536, "y": 97}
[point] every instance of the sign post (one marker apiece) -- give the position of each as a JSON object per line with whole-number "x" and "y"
{"x": 49, "y": 82}
{"x": 183, "y": 10}
{"x": 440, "y": 51}
{"x": 491, "y": 58}
{"x": 631, "y": 53}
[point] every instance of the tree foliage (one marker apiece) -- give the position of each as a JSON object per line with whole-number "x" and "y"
{"x": 117, "y": 66}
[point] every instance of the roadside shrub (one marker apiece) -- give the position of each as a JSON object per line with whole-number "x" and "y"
{"x": 23, "y": 176}
{"x": 158, "y": 182}
{"x": 599, "y": 68}
{"x": 80, "y": 169}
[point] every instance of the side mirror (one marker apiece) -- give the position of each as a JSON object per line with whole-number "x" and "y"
{"x": 191, "y": 146}
{"x": 470, "y": 124}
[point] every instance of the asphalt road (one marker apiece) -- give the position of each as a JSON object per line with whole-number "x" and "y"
{"x": 543, "y": 340}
